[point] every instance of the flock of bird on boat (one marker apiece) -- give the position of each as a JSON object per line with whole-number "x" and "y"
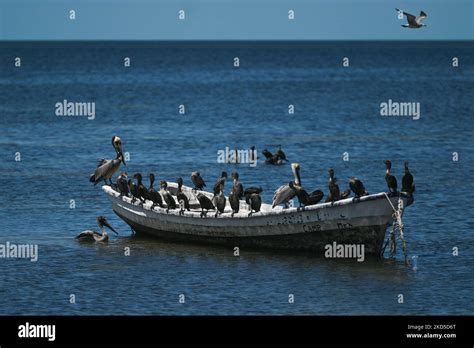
{"x": 137, "y": 191}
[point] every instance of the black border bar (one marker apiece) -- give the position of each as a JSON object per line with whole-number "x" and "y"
{"x": 290, "y": 330}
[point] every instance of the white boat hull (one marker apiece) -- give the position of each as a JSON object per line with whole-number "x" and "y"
{"x": 350, "y": 221}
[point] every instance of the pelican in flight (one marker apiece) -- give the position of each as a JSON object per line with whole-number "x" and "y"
{"x": 414, "y": 22}
{"x": 107, "y": 167}
{"x": 94, "y": 236}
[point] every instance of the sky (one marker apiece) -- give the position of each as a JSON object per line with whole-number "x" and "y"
{"x": 233, "y": 20}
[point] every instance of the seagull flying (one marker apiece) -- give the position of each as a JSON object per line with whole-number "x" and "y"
{"x": 413, "y": 22}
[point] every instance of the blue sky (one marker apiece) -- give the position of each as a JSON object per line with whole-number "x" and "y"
{"x": 232, "y": 20}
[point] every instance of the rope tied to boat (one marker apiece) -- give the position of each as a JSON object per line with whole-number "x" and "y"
{"x": 397, "y": 226}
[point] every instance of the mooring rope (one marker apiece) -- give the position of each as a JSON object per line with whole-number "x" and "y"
{"x": 397, "y": 225}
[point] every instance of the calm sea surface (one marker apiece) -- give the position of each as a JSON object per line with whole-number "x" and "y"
{"x": 336, "y": 111}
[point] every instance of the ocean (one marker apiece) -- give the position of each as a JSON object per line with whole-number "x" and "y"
{"x": 46, "y": 161}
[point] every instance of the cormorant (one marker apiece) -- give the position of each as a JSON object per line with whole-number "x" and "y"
{"x": 168, "y": 198}
{"x": 219, "y": 200}
{"x": 254, "y": 201}
{"x": 346, "y": 194}
{"x": 134, "y": 192}
{"x": 334, "y": 192}
{"x": 234, "y": 202}
{"x": 122, "y": 185}
{"x": 272, "y": 158}
{"x": 106, "y": 168}
{"x": 357, "y": 187}
{"x": 142, "y": 192}
{"x": 94, "y": 236}
{"x": 280, "y": 153}
{"x": 389, "y": 178}
{"x": 250, "y": 190}
{"x": 408, "y": 185}
{"x": 153, "y": 195}
{"x": 220, "y": 181}
{"x": 305, "y": 198}
{"x": 205, "y": 203}
{"x": 237, "y": 187}
{"x": 197, "y": 180}
{"x": 183, "y": 200}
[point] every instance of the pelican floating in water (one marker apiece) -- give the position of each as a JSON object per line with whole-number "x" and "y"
{"x": 389, "y": 178}
{"x": 285, "y": 193}
{"x": 94, "y": 236}
{"x": 106, "y": 168}
{"x": 414, "y": 22}
{"x": 198, "y": 181}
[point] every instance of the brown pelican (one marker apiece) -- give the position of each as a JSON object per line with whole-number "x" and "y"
{"x": 153, "y": 195}
{"x": 205, "y": 203}
{"x": 285, "y": 193}
{"x": 413, "y": 22}
{"x": 197, "y": 180}
{"x": 94, "y": 236}
{"x": 121, "y": 184}
{"x": 219, "y": 200}
{"x": 170, "y": 202}
{"x": 334, "y": 192}
{"x": 237, "y": 187}
{"x": 357, "y": 187}
{"x": 183, "y": 200}
{"x": 407, "y": 181}
{"x": 220, "y": 181}
{"x": 254, "y": 201}
{"x": 106, "y": 168}
{"x": 389, "y": 178}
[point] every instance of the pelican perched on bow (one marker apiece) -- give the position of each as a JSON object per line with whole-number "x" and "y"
{"x": 107, "y": 167}
{"x": 285, "y": 193}
{"x": 94, "y": 236}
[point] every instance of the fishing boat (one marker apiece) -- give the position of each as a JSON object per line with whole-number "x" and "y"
{"x": 361, "y": 220}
